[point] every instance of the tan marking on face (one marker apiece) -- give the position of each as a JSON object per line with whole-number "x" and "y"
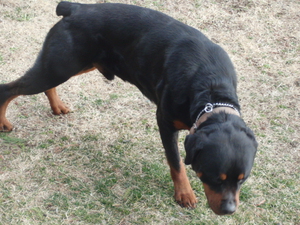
{"x": 237, "y": 198}
{"x": 215, "y": 199}
{"x": 223, "y": 176}
{"x": 241, "y": 176}
{"x": 199, "y": 174}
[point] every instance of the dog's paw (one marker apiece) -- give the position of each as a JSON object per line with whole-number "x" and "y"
{"x": 5, "y": 125}
{"x": 59, "y": 108}
{"x": 186, "y": 199}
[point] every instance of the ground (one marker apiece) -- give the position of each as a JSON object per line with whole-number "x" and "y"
{"x": 104, "y": 162}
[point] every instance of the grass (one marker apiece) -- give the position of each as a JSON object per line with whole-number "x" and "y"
{"x": 19, "y": 14}
{"x": 104, "y": 162}
{"x": 1, "y": 59}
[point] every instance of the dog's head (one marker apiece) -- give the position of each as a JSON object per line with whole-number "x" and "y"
{"x": 221, "y": 152}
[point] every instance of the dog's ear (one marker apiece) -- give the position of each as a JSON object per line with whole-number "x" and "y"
{"x": 250, "y": 135}
{"x": 192, "y": 145}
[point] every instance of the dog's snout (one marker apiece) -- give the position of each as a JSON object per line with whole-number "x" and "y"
{"x": 228, "y": 206}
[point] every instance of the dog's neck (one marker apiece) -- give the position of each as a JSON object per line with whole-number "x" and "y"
{"x": 205, "y": 116}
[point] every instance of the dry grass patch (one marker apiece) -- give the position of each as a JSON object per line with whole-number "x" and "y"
{"x": 104, "y": 162}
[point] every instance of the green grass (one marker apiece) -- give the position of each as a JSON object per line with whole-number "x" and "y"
{"x": 20, "y": 14}
{"x": 1, "y": 59}
{"x": 89, "y": 184}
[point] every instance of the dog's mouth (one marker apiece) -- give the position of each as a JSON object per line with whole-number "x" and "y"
{"x": 225, "y": 203}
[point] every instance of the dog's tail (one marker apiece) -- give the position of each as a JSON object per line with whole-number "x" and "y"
{"x": 66, "y": 8}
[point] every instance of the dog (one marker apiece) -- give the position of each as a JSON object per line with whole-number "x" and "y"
{"x": 191, "y": 80}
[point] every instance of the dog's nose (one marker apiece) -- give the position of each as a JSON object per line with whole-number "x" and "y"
{"x": 228, "y": 206}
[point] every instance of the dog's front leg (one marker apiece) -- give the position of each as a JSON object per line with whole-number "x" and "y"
{"x": 184, "y": 195}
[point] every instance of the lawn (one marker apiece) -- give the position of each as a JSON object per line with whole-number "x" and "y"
{"x": 104, "y": 162}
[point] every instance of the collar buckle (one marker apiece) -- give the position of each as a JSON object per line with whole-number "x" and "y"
{"x": 208, "y": 108}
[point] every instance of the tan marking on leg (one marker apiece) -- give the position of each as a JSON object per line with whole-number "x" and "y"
{"x": 56, "y": 104}
{"x": 99, "y": 67}
{"x": 180, "y": 125}
{"x": 5, "y": 125}
{"x": 86, "y": 71}
{"x": 184, "y": 195}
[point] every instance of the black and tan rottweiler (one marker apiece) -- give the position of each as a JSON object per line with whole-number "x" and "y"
{"x": 190, "y": 79}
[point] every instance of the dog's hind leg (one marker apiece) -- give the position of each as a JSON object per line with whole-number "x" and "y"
{"x": 34, "y": 81}
{"x": 59, "y": 60}
{"x": 5, "y": 125}
{"x": 56, "y": 104}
